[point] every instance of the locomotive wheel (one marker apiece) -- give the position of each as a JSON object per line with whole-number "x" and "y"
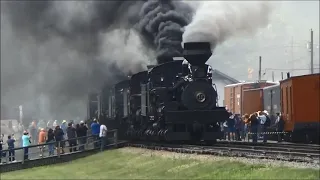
{"x": 199, "y": 95}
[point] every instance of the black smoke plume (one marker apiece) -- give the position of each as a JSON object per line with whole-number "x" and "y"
{"x": 161, "y": 24}
{"x": 54, "y": 52}
{"x": 59, "y": 51}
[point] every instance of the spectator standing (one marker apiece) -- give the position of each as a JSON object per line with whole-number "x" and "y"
{"x": 103, "y": 136}
{"x": 26, "y": 141}
{"x": 54, "y": 124}
{"x": 246, "y": 127}
{"x": 50, "y": 139}
{"x": 263, "y": 120}
{"x": 42, "y": 140}
{"x": 225, "y": 130}
{"x": 82, "y": 131}
{"x": 268, "y": 120}
{"x": 1, "y": 153}
{"x": 58, "y": 135}
{"x": 254, "y": 124}
{"x": 231, "y": 127}
{"x": 279, "y": 126}
{"x": 71, "y": 133}
{"x": 64, "y": 128}
{"x": 48, "y": 124}
{"x": 95, "y": 130}
{"x": 78, "y": 130}
{"x": 11, "y": 140}
{"x": 238, "y": 127}
{"x": 33, "y": 132}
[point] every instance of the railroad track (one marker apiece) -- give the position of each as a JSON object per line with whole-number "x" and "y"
{"x": 283, "y": 145}
{"x": 275, "y": 147}
{"x": 284, "y": 153}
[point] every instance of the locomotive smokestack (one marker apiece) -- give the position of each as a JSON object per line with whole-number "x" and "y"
{"x": 197, "y": 53}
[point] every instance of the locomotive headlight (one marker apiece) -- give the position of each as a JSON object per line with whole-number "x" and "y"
{"x": 201, "y": 97}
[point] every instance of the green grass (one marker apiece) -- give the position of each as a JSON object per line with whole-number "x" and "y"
{"x": 117, "y": 164}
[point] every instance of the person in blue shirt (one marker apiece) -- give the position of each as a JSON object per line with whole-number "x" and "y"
{"x": 10, "y": 142}
{"x": 25, "y": 144}
{"x": 95, "y": 130}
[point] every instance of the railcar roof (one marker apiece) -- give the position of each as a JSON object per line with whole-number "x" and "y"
{"x": 273, "y": 86}
{"x": 301, "y": 76}
{"x": 243, "y": 83}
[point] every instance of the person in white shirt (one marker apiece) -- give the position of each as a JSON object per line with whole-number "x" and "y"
{"x": 103, "y": 135}
{"x": 263, "y": 129}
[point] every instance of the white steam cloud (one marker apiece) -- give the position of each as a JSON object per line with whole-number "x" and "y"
{"x": 216, "y": 21}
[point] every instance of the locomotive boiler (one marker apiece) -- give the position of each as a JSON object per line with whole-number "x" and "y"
{"x": 173, "y": 101}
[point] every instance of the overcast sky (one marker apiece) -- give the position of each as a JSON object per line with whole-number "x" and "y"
{"x": 284, "y": 41}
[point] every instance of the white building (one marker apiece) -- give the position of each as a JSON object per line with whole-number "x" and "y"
{"x": 221, "y": 80}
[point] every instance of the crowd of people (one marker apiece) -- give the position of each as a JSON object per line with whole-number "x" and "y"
{"x": 238, "y": 128}
{"x": 55, "y": 136}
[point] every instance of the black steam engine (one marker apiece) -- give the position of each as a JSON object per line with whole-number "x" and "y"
{"x": 174, "y": 101}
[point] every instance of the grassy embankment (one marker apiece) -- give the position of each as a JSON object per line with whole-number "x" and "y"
{"x": 124, "y": 164}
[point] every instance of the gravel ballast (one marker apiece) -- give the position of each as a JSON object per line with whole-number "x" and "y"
{"x": 174, "y": 155}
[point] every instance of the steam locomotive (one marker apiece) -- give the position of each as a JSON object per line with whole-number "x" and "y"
{"x": 173, "y": 101}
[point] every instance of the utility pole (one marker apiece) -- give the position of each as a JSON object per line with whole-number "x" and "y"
{"x": 259, "y": 68}
{"x": 311, "y": 47}
{"x": 272, "y": 76}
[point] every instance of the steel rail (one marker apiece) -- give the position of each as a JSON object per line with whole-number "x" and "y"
{"x": 304, "y": 146}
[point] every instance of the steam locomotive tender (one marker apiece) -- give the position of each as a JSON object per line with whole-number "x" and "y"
{"x": 173, "y": 101}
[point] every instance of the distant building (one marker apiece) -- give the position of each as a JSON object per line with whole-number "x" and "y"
{"x": 221, "y": 80}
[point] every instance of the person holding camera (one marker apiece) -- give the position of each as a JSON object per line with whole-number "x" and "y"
{"x": 26, "y": 141}
{"x": 11, "y": 140}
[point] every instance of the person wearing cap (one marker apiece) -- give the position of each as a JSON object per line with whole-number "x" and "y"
{"x": 42, "y": 140}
